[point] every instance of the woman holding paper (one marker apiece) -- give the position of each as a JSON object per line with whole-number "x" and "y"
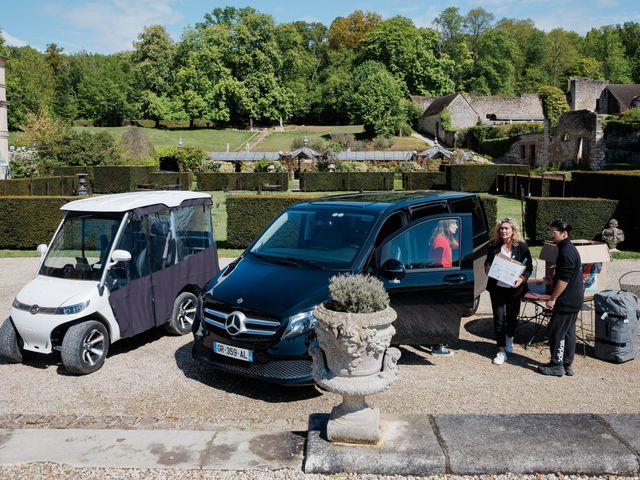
{"x": 505, "y": 298}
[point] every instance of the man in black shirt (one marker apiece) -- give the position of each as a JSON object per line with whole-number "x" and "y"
{"x": 566, "y": 301}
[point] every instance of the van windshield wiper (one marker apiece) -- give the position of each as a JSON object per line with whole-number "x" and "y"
{"x": 304, "y": 261}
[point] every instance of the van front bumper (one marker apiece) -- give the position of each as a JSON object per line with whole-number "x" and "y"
{"x": 35, "y": 330}
{"x": 283, "y": 371}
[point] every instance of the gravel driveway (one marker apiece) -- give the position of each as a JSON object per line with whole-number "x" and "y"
{"x": 151, "y": 381}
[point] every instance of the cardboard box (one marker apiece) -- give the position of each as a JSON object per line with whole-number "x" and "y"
{"x": 505, "y": 269}
{"x": 594, "y": 256}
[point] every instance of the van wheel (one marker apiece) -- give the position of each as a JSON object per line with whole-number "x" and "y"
{"x": 10, "y": 343}
{"x": 468, "y": 311}
{"x": 183, "y": 315}
{"x": 85, "y": 347}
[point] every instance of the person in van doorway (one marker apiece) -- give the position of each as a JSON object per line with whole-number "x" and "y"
{"x": 566, "y": 300}
{"x": 444, "y": 242}
{"x": 505, "y": 299}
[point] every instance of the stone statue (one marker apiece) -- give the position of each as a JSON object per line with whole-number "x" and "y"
{"x": 613, "y": 235}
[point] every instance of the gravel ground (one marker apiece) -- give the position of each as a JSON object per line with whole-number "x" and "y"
{"x": 151, "y": 381}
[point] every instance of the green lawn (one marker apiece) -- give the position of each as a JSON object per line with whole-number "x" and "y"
{"x": 208, "y": 139}
{"x": 281, "y": 141}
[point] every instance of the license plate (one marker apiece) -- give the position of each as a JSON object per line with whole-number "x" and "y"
{"x": 233, "y": 352}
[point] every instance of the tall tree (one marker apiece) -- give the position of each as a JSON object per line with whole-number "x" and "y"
{"x": 606, "y": 45}
{"x": 494, "y": 64}
{"x": 29, "y": 85}
{"x": 349, "y": 32}
{"x": 153, "y": 59}
{"x": 629, "y": 34}
{"x": 476, "y": 22}
{"x": 64, "y": 102}
{"x": 563, "y": 54}
{"x": 409, "y": 54}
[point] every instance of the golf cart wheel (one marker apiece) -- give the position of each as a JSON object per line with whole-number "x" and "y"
{"x": 85, "y": 347}
{"x": 10, "y": 343}
{"x": 183, "y": 315}
{"x": 468, "y": 311}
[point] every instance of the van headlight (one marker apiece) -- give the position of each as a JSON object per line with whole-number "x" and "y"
{"x": 298, "y": 324}
{"x": 71, "y": 309}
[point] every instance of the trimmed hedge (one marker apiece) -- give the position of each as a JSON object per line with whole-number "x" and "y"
{"x": 345, "y": 181}
{"x": 490, "y": 208}
{"x": 620, "y": 185}
{"x": 73, "y": 170}
{"x": 424, "y": 181}
{"x": 117, "y": 179}
{"x": 535, "y": 185}
{"x": 171, "y": 180}
{"x": 248, "y": 215}
{"x": 212, "y": 181}
{"x": 587, "y": 216}
{"x": 39, "y": 217}
{"x": 54, "y": 186}
{"x": 479, "y": 178}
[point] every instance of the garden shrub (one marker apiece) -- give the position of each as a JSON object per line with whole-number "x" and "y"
{"x": 171, "y": 180}
{"x": 190, "y": 159}
{"x": 424, "y": 181}
{"x": 348, "y": 166}
{"x": 264, "y": 164}
{"x": 479, "y": 178}
{"x": 490, "y": 204}
{"x": 345, "y": 181}
{"x": 220, "y": 167}
{"x": 554, "y": 103}
{"x": 39, "y": 217}
{"x": 357, "y": 293}
{"x": 209, "y": 181}
{"x": 588, "y": 216}
{"x": 621, "y": 185}
{"x": 117, "y": 179}
{"x": 137, "y": 148}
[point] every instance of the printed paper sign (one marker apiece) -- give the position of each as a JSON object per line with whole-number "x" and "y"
{"x": 505, "y": 269}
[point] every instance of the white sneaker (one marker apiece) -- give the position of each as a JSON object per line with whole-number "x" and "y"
{"x": 501, "y": 357}
{"x": 509, "y": 345}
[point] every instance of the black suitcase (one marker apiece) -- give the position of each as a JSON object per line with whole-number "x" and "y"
{"x": 616, "y": 326}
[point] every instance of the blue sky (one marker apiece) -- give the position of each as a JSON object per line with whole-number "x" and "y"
{"x": 106, "y": 26}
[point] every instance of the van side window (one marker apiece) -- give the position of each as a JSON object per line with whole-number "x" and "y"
{"x": 392, "y": 224}
{"x": 428, "y": 210}
{"x": 472, "y": 205}
{"x": 430, "y": 244}
{"x": 193, "y": 230}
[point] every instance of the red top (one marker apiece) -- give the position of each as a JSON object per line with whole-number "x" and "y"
{"x": 440, "y": 251}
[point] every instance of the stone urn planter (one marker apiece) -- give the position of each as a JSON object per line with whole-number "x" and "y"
{"x": 351, "y": 357}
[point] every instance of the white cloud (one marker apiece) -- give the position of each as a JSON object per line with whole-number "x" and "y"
{"x": 11, "y": 40}
{"x": 113, "y": 25}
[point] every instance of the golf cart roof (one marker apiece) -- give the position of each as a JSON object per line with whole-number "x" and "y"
{"x": 123, "y": 202}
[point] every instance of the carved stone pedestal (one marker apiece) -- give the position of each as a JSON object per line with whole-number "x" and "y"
{"x": 352, "y": 359}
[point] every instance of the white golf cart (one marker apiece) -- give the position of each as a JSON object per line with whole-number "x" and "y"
{"x": 118, "y": 265}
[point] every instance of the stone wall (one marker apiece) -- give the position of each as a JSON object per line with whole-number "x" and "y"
{"x": 4, "y": 129}
{"x": 462, "y": 114}
{"x": 577, "y": 141}
{"x": 529, "y": 149}
{"x": 585, "y": 94}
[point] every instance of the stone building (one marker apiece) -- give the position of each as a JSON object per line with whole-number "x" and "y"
{"x": 577, "y": 142}
{"x": 4, "y": 126}
{"x": 468, "y": 111}
{"x": 601, "y": 97}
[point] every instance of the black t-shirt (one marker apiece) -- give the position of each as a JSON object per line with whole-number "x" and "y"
{"x": 569, "y": 269}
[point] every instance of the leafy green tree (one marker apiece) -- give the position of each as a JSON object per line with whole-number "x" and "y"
{"x": 378, "y": 100}
{"x": 105, "y": 91}
{"x": 493, "y": 68}
{"x": 563, "y": 53}
{"x": 450, "y": 26}
{"x": 409, "y": 54}
{"x": 2, "y": 51}
{"x": 64, "y": 101}
{"x": 29, "y": 86}
{"x": 606, "y": 46}
{"x": 153, "y": 59}
{"x": 629, "y": 34}
{"x": 476, "y": 22}
{"x": 349, "y": 32}
{"x": 588, "y": 67}
{"x": 554, "y": 103}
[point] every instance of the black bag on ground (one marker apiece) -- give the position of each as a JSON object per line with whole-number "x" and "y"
{"x": 616, "y": 325}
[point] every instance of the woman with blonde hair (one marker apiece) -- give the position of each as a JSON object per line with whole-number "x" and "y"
{"x": 505, "y": 299}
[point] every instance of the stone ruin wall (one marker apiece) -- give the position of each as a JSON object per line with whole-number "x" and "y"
{"x": 584, "y": 93}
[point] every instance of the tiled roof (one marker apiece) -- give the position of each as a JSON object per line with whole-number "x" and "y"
{"x": 306, "y": 152}
{"x": 624, "y": 94}
{"x": 439, "y": 104}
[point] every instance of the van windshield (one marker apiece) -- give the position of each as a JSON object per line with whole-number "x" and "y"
{"x": 80, "y": 249}
{"x": 323, "y": 238}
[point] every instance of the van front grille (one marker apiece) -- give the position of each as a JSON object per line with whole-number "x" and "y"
{"x": 244, "y": 325}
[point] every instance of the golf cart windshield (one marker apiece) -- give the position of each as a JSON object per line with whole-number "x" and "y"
{"x": 79, "y": 251}
{"x": 322, "y": 238}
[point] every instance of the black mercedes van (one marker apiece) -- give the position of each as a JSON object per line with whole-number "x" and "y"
{"x": 255, "y": 317}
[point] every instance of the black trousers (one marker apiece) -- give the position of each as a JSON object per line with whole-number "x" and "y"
{"x": 562, "y": 337}
{"x": 506, "y": 309}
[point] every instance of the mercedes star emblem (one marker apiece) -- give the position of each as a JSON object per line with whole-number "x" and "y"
{"x": 235, "y": 323}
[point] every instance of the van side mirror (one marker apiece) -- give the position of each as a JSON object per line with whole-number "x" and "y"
{"x": 393, "y": 270}
{"x": 119, "y": 256}
{"x": 42, "y": 249}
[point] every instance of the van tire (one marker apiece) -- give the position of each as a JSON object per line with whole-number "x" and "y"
{"x": 468, "y": 311}
{"x": 183, "y": 314}
{"x": 10, "y": 343}
{"x": 77, "y": 356}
